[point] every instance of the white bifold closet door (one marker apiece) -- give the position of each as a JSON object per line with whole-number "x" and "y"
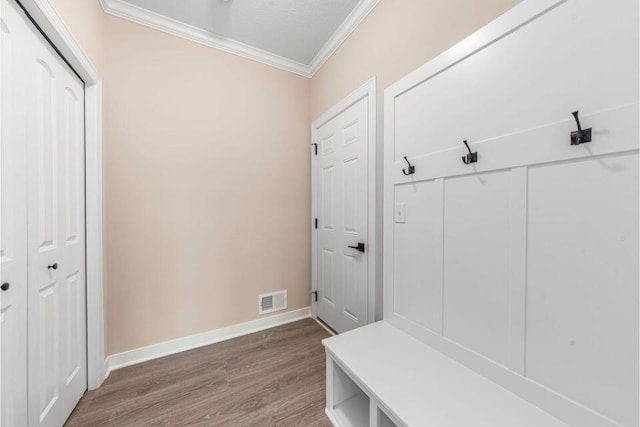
{"x": 43, "y": 229}
{"x": 13, "y": 225}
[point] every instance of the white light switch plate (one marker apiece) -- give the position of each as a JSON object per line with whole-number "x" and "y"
{"x": 399, "y": 213}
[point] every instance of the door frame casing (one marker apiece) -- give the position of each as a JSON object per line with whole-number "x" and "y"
{"x": 46, "y": 17}
{"x": 368, "y": 89}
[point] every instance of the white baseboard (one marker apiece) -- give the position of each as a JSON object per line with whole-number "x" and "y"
{"x": 331, "y": 418}
{"x": 324, "y": 326}
{"x": 155, "y": 351}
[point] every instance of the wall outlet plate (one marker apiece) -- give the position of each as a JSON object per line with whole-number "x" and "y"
{"x": 399, "y": 213}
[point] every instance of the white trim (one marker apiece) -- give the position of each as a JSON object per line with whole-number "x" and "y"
{"x": 366, "y": 90}
{"x": 142, "y": 16}
{"x": 357, "y": 15}
{"x": 50, "y": 22}
{"x": 145, "y": 17}
{"x": 167, "y": 348}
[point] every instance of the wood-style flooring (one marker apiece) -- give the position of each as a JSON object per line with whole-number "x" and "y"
{"x": 270, "y": 378}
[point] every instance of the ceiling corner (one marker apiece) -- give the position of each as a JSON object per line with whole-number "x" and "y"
{"x": 136, "y": 14}
{"x": 357, "y": 15}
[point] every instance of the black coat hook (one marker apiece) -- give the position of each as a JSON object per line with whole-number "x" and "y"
{"x": 471, "y": 157}
{"x": 412, "y": 168}
{"x": 581, "y": 135}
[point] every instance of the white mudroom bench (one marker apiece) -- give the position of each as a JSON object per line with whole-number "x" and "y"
{"x": 379, "y": 376}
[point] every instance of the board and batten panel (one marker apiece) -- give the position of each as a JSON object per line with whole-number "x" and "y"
{"x": 538, "y": 241}
{"x": 418, "y": 253}
{"x": 526, "y": 80}
{"x": 582, "y": 282}
{"x": 476, "y": 262}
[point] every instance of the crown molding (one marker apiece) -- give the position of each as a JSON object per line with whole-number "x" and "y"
{"x": 357, "y": 15}
{"x": 133, "y": 13}
{"x": 139, "y": 15}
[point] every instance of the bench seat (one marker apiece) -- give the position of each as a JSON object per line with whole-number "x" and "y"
{"x": 379, "y": 375}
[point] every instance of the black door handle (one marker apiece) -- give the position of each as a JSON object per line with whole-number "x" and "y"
{"x": 53, "y": 267}
{"x": 360, "y": 247}
{"x": 5, "y": 286}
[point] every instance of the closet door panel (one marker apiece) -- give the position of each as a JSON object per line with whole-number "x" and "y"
{"x": 57, "y": 303}
{"x": 72, "y": 231}
{"x": 73, "y": 140}
{"x": 44, "y": 212}
{"x": 44, "y": 163}
{"x": 13, "y": 221}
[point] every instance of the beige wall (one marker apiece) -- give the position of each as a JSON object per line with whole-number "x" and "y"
{"x": 397, "y": 37}
{"x": 207, "y": 194}
{"x": 206, "y": 161}
{"x": 206, "y": 181}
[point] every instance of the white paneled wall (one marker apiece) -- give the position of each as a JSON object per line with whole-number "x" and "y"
{"x": 418, "y": 252}
{"x": 524, "y": 265}
{"x": 582, "y": 280}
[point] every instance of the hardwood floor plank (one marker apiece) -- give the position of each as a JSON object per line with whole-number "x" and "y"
{"x": 271, "y": 378}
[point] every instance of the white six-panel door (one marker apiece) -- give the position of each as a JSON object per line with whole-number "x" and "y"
{"x": 342, "y": 218}
{"x": 47, "y": 199}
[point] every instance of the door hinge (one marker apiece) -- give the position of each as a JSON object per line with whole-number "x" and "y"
{"x": 315, "y": 295}
{"x": 316, "y": 223}
{"x": 315, "y": 148}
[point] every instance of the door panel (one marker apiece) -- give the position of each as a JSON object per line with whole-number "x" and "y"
{"x": 57, "y": 361}
{"x": 74, "y": 352}
{"x": 342, "y": 203}
{"x": 13, "y": 223}
{"x": 48, "y": 348}
{"x": 46, "y": 157}
{"x": 73, "y": 141}
{"x": 327, "y": 277}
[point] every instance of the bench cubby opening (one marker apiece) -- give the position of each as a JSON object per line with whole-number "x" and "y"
{"x": 348, "y": 402}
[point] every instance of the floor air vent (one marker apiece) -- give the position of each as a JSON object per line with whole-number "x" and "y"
{"x": 274, "y": 301}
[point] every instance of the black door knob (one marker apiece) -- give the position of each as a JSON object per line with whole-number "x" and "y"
{"x": 5, "y": 286}
{"x": 53, "y": 267}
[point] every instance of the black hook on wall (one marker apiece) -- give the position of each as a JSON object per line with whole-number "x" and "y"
{"x": 580, "y": 136}
{"x": 412, "y": 168}
{"x": 471, "y": 157}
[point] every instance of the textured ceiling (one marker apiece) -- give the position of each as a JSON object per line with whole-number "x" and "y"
{"x": 294, "y": 29}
